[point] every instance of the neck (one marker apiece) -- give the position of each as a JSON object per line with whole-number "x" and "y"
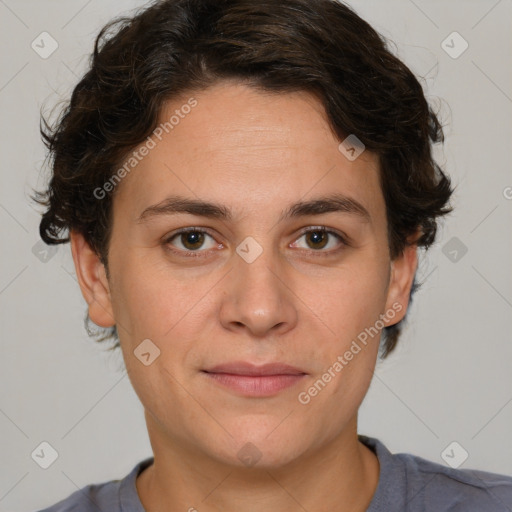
{"x": 341, "y": 475}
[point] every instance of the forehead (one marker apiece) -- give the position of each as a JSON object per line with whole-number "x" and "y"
{"x": 249, "y": 149}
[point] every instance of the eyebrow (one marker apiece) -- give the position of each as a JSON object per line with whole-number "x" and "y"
{"x": 319, "y": 206}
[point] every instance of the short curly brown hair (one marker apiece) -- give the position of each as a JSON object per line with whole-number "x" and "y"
{"x": 173, "y": 47}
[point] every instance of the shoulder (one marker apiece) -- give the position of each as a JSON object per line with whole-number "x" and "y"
{"x": 439, "y": 487}
{"x": 89, "y": 499}
{"x": 412, "y": 483}
{"x": 106, "y": 496}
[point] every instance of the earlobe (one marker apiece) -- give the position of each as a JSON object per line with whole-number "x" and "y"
{"x": 93, "y": 281}
{"x": 403, "y": 269}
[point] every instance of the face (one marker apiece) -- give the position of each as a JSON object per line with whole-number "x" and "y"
{"x": 257, "y": 281}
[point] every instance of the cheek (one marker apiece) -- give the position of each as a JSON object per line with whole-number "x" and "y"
{"x": 153, "y": 300}
{"x": 139, "y": 299}
{"x": 352, "y": 299}
{"x": 351, "y": 308}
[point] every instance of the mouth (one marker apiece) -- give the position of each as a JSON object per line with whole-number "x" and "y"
{"x": 251, "y": 380}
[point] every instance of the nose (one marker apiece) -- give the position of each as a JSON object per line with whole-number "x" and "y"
{"x": 258, "y": 297}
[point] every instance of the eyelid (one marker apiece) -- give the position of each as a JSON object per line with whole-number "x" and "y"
{"x": 326, "y": 229}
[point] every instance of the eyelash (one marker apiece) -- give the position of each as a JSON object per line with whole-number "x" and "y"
{"x": 203, "y": 253}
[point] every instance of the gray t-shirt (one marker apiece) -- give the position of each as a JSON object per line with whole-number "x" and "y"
{"x": 407, "y": 483}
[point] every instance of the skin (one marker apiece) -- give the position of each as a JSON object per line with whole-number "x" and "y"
{"x": 255, "y": 153}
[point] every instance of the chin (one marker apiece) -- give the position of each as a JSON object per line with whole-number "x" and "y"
{"x": 259, "y": 444}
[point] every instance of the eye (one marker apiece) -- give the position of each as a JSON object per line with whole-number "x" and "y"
{"x": 318, "y": 238}
{"x": 191, "y": 240}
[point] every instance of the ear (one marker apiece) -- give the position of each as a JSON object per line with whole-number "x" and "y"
{"x": 403, "y": 269}
{"x": 93, "y": 281}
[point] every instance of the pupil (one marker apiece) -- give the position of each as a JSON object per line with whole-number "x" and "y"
{"x": 319, "y": 236}
{"x": 192, "y": 239}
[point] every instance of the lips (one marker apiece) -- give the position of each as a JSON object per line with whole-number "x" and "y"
{"x": 250, "y": 380}
{"x": 249, "y": 369}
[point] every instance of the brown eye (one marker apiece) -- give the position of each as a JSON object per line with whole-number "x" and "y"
{"x": 190, "y": 240}
{"x": 320, "y": 238}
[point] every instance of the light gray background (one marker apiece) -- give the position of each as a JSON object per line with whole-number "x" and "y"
{"x": 450, "y": 379}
